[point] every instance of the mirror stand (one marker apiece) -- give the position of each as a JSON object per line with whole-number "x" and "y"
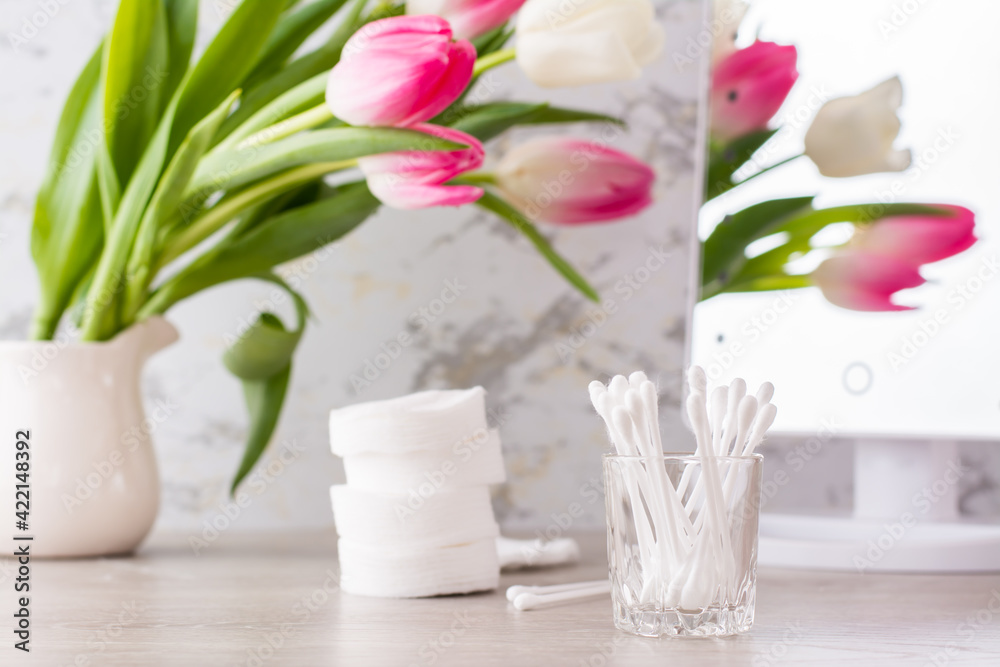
{"x": 906, "y": 518}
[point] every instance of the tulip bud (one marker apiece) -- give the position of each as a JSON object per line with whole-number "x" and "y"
{"x": 851, "y": 136}
{"x": 861, "y": 281}
{"x": 749, "y": 87}
{"x": 885, "y": 257}
{"x": 415, "y": 179}
{"x": 468, "y": 18}
{"x": 570, "y": 181}
{"x": 581, "y": 42}
{"x": 919, "y": 239}
{"x": 399, "y": 71}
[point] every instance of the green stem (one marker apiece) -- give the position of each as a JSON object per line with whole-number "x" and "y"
{"x": 493, "y": 60}
{"x": 306, "y": 120}
{"x": 43, "y": 327}
{"x": 217, "y": 217}
{"x": 483, "y": 177}
{"x": 770, "y": 168}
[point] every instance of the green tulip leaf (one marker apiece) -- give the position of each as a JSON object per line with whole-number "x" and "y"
{"x": 232, "y": 169}
{"x": 68, "y": 229}
{"x": 182, "y": 27}
{"x": 136, "y": 66}
{"x": 225, "y": 63}
{"x": 488, "y": 121}
{"x": 724, "y": 161}
{"x": 262, "y": 360}
{"x": 286, "y": 236}
{"x": 289, "y": 34}
{"x": 302, "y": 97}
{"x": 724, "y": 250}
{"x": 166, "y": 200}
{"x": 508, "y": 213}
{"x": 296, "y": 72}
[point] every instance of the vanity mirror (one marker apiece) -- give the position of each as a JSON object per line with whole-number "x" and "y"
{"x": 873, "y": 305}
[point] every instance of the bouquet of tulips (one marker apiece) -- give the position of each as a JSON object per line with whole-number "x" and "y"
{"x": 169, "y": 177}
{"x": 849, "y": 136}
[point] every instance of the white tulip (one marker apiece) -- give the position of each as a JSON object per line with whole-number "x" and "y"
{"x": 851, "y": 136}
{"x": 727, "y": 16}
{"x": 579, "y": 42}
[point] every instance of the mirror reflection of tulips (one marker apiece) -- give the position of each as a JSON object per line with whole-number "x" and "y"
{"x": 849, "y": 136}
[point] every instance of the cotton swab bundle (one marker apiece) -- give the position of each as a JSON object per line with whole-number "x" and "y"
{"x": 686, "y": 562}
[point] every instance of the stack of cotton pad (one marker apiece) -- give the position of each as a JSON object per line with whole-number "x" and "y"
{"x": 415, "y": 518}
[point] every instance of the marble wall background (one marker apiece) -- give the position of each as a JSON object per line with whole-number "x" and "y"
{"x": 509, "y": 330}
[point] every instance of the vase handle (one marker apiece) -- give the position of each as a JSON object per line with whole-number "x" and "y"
{"x": 149, "y": 336}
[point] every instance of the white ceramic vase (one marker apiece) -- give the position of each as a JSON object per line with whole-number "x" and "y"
{"x": 94, "y": 485}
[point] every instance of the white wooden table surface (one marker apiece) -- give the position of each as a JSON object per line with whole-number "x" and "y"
{"x": 273, "y": 600}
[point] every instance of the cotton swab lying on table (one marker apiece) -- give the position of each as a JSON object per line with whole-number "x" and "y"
{"x": 542, "y": 596}
{"x": 517, "y": 589}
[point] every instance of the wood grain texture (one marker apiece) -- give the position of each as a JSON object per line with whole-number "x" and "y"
{"x": 273, "y": 600}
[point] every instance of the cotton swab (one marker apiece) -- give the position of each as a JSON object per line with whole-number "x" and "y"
{"x": 717, "y": 416}
{"x": 765, "y": 393}
{"x": 737, "y": 390}
{"x": 684, "y": 562}
{"x": 529, "y": 601}
{"x": 746, "y": 412}
{"x": 514, "y": 591}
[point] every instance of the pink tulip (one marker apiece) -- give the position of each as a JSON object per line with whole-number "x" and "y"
{"x": 886, "y": 256}
{"x": 415, "y": 179}
{"x": 399, "y": 71}
{"x": 571, "y": 181}
{"x": 920, "y": 239}
{"x": 861, "y": 281}
{"x": 468, "y": 18}
{"x": 748, "y": 88}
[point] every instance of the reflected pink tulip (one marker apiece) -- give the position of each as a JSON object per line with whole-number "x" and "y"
{"x": 920, "y": 239}
{"x": 886, "y": 257}
{"x": 859, "y": 281}
{"x": 748, "y": 88}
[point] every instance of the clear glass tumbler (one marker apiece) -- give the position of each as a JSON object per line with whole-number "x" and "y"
{"x": 682, "y": 543}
